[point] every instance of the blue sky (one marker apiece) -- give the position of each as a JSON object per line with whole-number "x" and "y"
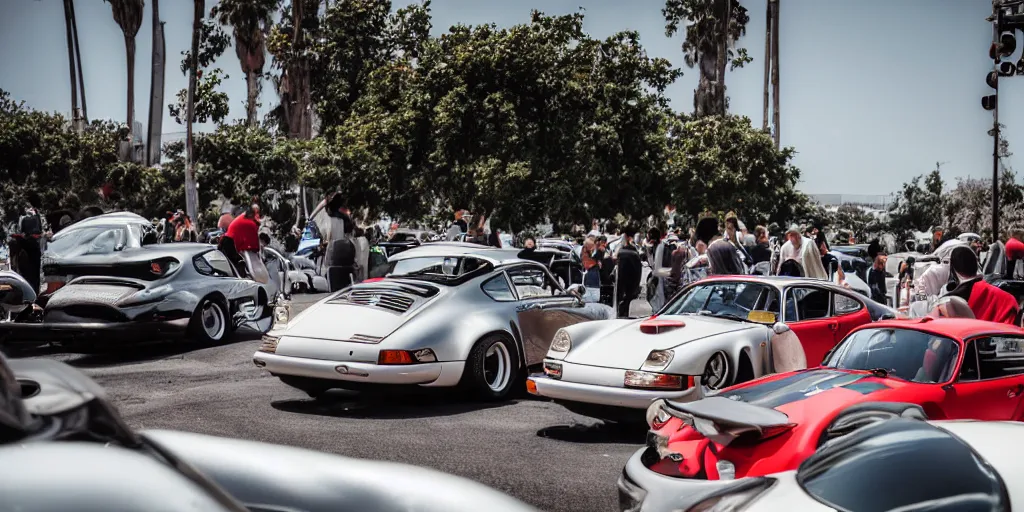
{"x": 873, "y": 92}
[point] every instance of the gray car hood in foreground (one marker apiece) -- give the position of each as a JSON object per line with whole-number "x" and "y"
{"x": 258, "y": 473}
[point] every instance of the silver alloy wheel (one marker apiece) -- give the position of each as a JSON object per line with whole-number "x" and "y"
{"x": 716, "y": 371}
{"x": 214, "y": 323}
{"x": 497, "y": 366}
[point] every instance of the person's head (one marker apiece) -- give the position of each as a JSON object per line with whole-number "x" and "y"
{"x": 65, "y": 220}
{"x": 963, "y": 262}
{"x": 530, "y": 243}
{"x": 880, "y": 261}
{"x": 937, "y": 234}
{"x": 1017, "y": 233}
{"x": 761, "y": 234}
{"x": 252, "y": 211}
{"x": 701, "y": 247}
{"x": 653, "y": 235}
{"x": 731, "y": 223}
{"x": 264, "y": 239}
{"x": 602, "y": 242}
{"x": 793, "y": 236}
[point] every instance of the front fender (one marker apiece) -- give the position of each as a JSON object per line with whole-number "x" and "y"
{"x": 690, "y": 358}
{"x": 585, "y": 332}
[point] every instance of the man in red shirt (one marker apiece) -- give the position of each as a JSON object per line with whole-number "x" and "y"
{"x": 986, "y": 301}
{"x": 242, "y": 235}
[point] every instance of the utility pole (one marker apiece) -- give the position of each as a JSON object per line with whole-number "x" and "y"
{"x": 775, "y": 69}
{"x": 996, "y": 29}
{"x": 767, "y": 60}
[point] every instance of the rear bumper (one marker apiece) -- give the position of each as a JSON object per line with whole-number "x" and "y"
{"x": 643, "y": 490}
{"x": 441, "y": 374}
{"x": 579, "y": 384}
{"x": 86, "y": 331}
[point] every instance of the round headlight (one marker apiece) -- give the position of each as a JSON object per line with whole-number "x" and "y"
{"x": 658, "y": 359}
{"x": 561, "y": 342}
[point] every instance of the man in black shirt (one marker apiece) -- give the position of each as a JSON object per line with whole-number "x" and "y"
{"x": 761, "y": 251}
{"x": 630, "y": 270}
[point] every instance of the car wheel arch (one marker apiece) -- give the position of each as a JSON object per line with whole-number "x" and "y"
{"x": 508, "y": 335}
{"x": 744, "y": 367}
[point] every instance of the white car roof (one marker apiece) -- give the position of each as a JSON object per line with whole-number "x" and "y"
{"x": 996, "y": 442}
{"x": 492, "y": 255}
{"x": 107, "y": 219}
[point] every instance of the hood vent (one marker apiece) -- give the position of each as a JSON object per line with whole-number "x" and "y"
{"x": 381, "y": 298}
{"x": 655, "y": 325}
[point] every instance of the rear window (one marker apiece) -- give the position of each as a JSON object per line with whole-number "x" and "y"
{"x": 905, "y": 465}
{"x": 91, "y": 240}
{"x": 440, "y": 269}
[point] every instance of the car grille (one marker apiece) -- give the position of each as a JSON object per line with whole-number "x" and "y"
{"x": 377, "y": 298}
{"x": 88, "y": 294}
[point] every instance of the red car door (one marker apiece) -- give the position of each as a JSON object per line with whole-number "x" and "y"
{"x": 808, "y": 314}
{"x": 991, "y": 381}
{"x": 849, "y": 313}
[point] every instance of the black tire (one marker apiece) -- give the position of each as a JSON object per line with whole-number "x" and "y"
{"x": 484, "y": 377}
{"x": 200, "y": 328}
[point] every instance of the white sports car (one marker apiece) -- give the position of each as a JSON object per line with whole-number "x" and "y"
{"x": 716, "y": 332}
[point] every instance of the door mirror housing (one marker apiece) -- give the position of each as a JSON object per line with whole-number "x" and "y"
{"x": 780, "y": 328}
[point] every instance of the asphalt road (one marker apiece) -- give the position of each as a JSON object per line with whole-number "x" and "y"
{"x": 531, "y": 449}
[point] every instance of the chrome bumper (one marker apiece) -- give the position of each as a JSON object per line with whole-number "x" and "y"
{"x": 570, "y": 388}
{"x": 425, "y": 374}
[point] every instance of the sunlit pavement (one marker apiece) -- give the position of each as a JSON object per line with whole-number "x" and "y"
{"x": 534, "y": 450}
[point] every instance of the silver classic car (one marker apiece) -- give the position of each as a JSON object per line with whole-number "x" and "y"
{"x": 714, "y": 333}
{"x": 445, "y": 314}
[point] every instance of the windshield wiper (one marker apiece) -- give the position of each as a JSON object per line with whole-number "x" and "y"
{"x": 723, "y": 314}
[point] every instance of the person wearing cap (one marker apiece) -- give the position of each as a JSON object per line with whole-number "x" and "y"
{"x": 986, "y": 301}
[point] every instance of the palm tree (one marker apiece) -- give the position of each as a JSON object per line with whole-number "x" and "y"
{"x": 251, "y": 20}
{"x": 156, "y": 89}
{"x": 712, "y": 29}
{"x": 72, "y": 65}
{"x": 128, "y": 15}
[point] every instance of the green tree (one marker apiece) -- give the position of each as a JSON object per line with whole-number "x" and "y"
{"x": 210, "y": 104}
{"x": 250, "y": 21}
{"x": 128, "y": 15}
{"x": 712, "y": 29}
{"x": 724, "y": 163}
{"x": 918, "y": 207}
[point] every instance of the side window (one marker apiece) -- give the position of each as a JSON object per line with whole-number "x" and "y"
{"x": 806, "y": 304}
{"x": 497, "y": 289}
{"x": 532, "y": 283}
{"x": 214, "y": 263}
{"x": 1000, "y": 357}
{"x": 844, "y": 305}
{"x": 969, "y": 369}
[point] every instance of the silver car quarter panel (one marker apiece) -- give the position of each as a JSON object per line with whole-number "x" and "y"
{"x": 437, "y": 374}
{"x": 328, "y": 349}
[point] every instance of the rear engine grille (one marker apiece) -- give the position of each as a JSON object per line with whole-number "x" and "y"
{"x": 88, "y": 294}
{"x": 377, "y": 298}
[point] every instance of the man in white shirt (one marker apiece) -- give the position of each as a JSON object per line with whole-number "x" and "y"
{"x": 792, "y": 249}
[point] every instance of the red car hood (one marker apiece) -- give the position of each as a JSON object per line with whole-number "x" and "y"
{"x": 809, "y": 399}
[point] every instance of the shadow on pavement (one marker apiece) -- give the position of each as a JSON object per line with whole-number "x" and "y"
{"x": 92, "y": 356}
{"x": 600, "y": 432}
{"x": 392, "y": 405}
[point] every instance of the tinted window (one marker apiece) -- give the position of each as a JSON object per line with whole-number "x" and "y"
{"x": 532, "y": 282}
{"x": 497, "y": 288}
{"x": 806, "y": 304}
{"x": 907, "y": 354}
{"x": 901, "y": 464}
{"x": 214, "y": 263}
{"x": 969, "y": 368}
{"x": 1000, "y": 356}
{"x": 444, "y": 269}
{"x": 723, "y": 298}
{"x": 845, "y": 305}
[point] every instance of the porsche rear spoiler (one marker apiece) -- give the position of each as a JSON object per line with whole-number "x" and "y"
{"x": 723, "y": 420}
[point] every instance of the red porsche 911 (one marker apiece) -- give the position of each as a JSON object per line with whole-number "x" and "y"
{"x": 949, "y": 368}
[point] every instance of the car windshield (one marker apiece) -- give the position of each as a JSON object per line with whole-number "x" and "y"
{"x": 443, "y": 269}
{"x": 728, "y": 299}
{"x": 901, "y": 464}
{"x": 90, "y": 240}
{"x": 907, "y": 354}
